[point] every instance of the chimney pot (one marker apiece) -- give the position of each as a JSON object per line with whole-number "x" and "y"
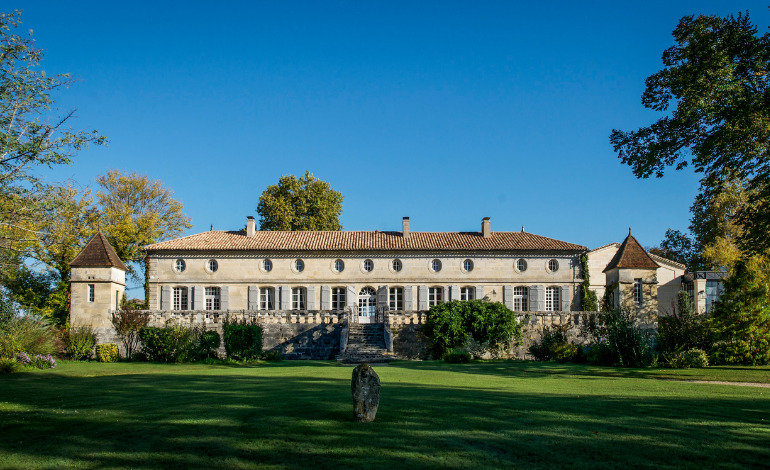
{"x": 405, "y": 227}
{"x": 251, "y": 226}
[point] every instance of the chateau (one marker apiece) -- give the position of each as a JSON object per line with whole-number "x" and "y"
{"x": 368, "y": 277}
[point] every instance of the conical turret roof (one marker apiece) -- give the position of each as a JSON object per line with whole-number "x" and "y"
{"x": 98, "y": 252}
{"x": 631, "y": 255}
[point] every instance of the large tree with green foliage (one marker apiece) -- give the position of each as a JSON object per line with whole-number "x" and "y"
{"x": 33, "y": 135}
{"x": 716, "y": 79}
{"x": 306, "y": 203}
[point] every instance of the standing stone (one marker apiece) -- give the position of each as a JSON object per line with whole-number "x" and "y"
{"x": 365, "y": 387}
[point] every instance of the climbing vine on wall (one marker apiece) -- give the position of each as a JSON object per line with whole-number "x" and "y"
{"x": 588, "y": 297}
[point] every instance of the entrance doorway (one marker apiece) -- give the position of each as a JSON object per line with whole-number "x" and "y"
{"x": 367, "y": 305}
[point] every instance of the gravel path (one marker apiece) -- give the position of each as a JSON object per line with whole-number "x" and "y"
{"x": 718, "y": 382}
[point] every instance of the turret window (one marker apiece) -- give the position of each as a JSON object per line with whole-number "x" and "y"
{"x": 638, "y": 299}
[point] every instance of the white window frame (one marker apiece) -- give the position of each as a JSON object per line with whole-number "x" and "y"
{"x": 180, "y": 265}
{"x": 211, "y": 298}
{"x": 368, "y": 265}
{"x": 267, "y": 298}
{"x": 339, "y": 298}
{"x": 267, "y": 265}
{"x": 91, "y": 293}
{"x": 435, "y": 295}
{"x": 467, "y": 293}
{"x": 396, "y": 299}
{"x": 552, "y": 265}
{"x": 180, "y": 298}
{"x": 552, "y": 299}
{"x": 298, "y": 298}
{"x": 468, "y": 265}
{"x": 299, "y": 265}
{"x": 435, "y": 265}
{"x": 520, "y": 299}
{"x": 339, "y": 266}
{"x": 638, "y": 292}
{"x": 397, "y": 265}
{"x": 521, "y": 265}
{"x": 212, "y": 265}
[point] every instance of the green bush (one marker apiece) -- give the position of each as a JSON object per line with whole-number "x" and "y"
{"x": 271, "y": 355}
{"x": 107, "y": 352}
{"x": 80, "y": 343}
{"x": 41, "y": 361}
{"x": 696, "y": 358}
{"x": 167, "y": 344}
{"x": 458, "y": 357}
{"x": 451, "y": 325}
{"x": 203, "y": 343}
{"x": 621, "y": 341}
{"x": 9, "y": 365}
{"x": 554, "y": 345}
{"x": 31, "y": 334}
{"x": 243, "y": 339}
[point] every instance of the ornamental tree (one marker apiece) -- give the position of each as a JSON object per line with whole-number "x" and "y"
{"x": 714, "y": 89}
{"x": 306, "y": 203}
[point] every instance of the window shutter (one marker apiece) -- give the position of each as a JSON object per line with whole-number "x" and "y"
{"x": 454, "y": 293}
{"x": 253, "y": 298}
{"x": 284, "y": 298}
{"x": 351, "y": 298}
{"x": 422, "y": 297}
{"x": 310, "y": 298}
{"x": 479, "y": 292}
{"x": 165, "y": 298}
{"x": 537, "y": 298}
{"x": 198, "y": 298}
{"x": 382, "y": 297}
{"x": 408, "y": 298}
{"x": 508, "y": 296}
{"x": 224, "y": 298}
{"x": 566, "y": 299}
{"x": 326, "y": 298}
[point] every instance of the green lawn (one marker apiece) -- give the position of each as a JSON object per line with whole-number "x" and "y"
{"x": 432, "y": 415}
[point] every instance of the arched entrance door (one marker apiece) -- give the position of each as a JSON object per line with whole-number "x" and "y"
{"x": 367, "y": 305}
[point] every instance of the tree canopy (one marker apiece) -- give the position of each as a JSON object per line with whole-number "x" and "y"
{"x": 716, "y": 80}
{"x": 306, "y": 203}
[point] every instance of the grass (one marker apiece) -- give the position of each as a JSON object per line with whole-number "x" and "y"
{"x": 432, "y": 415}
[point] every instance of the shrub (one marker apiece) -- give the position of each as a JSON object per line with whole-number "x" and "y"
{"x": 451, "y": 325}
{"x": 203, "y": 343}
{"x": 30, "y": 333}
{"x": 683, "y": 332}
{"x": 107, "y": 352}
{"x": 554, "y": 345}
{"x": 9, "y": 365}
{"x": 167, "y": 344}
{"x": 600, "y": 353}
{"x": 41, "y": 361}
{"x": 243, "y": 339}
{"x": 458, "y": 357}
{"x": 626, "y": 344}
{"x": 271, "y": 355}
{"x": 80, "y": 343}
{"x": 686, "y": 359}
{"x": 127, "y": 323}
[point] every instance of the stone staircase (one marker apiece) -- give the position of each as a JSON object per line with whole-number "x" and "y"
{"x": 366, "y": 343}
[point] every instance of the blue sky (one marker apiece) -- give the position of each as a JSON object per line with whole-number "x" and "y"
{"x": 446, "y": 112}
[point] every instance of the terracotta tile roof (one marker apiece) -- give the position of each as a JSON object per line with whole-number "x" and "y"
{"x": 615, "y": 244}
{"x": 98, "y": 252}
{"x": 363, "y": 241}
{"x": 631, "y": 255}
{"x": 660, "y": 259}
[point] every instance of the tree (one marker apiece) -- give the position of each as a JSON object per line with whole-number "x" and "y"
{"x": 136, "y": 211}
{"x": 32, "y": 135}
{"x": 676, "y": 246}
{"x": 306, "y": 203}
{"x": 740, "y": 320}
{"x": 716, "y": 77}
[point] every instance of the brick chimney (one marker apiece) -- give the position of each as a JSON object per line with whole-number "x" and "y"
{"x": 251, "y": 226}
{"x": 486, "y": 227}
{"x": 405, "y": 227}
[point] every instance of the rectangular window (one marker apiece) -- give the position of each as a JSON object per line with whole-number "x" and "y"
{"x": 520, "y": 299}
{"x": 298, "y": 298}
{"x": 638, "y": 291}
{"x": 212, "y": 298}
{"x": 267, "y": 298}
{"x": 180, "y": 298}
{"x": 338, "y": 298}
{"x": 435, "y": 295}
{"x": 551, "y": 299}
{"x": 396, "y": 299}
{"x": 467, "y": 293}
{"x": 91, "y": 288}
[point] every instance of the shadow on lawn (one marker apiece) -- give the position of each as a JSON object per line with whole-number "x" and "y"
{"x": 246, "y": 420}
